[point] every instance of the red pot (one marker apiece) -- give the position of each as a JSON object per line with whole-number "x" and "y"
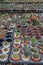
{"x": 36, "y": 60}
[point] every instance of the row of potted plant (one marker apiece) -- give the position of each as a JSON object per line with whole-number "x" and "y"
{"x": 24, "y": 20}
{"x": 28, "y": 47}
{"x": 4, "y": 46}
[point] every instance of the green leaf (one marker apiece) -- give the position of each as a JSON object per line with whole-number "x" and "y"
{"x": 33, "y": 40}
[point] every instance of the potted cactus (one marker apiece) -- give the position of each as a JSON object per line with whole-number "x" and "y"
{"x": 33, "y": 42}
{"x": 25, "y": 40}
{"x": 34, "y": 20}
{"x": 15, "y": 57}
{"x": 36, "y": 57}
{"x": 34, "y": 50}
{"x": 16, "y": 34}
{"x": 25, "y": 55}
{"x": 16, "y": 50}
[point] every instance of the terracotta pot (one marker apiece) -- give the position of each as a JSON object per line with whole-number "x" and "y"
{"x": 24, "y": 42}
{"x": 36, "y": 60}
{"x": 15, "y": 59}
{"x": 41, "y": 51}
{"x": 15, "y": 46}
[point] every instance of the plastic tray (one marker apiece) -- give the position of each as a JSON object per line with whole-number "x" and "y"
{"x": 26, "y": 62}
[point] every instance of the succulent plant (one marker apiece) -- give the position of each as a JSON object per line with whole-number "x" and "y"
{"x": 36, "y": 56}
{"x": 26, "y": 51}
{"x": 15, "y": 49}
{"x": 15, "y": 55}
{"x": 35, "y": 50}
{"x": 17, "y": 33}
{"x": 33, "y": 40}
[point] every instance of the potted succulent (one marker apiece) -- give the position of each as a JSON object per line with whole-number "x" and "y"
{"x": 16, "y": 50}
{"x": 6, "y": 44}
{"x": 17, "y": 43}
{"x": 15, "y": 57}
{"x": 24, "y": 48}
{"x": 25, "y": 40}
{"x": 5, "y": 50}
{"x": 34, "y": 20}
{"x": 34, "y": 50}
{"x": 33, "y": 42}
{"x": 25, "y": 55}
{"x": 16, "y": 34}
{"x": 36, "y": 57}
{"x": 3, "y": 57}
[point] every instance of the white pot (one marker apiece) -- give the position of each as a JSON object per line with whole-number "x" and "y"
{"x": 16, "y": 52}
{"x": 6, "y": 51}
{"x": 25, "y": 59}
{"x": 17, "y": 42}
{"x": 6, "y": 46}
{"x": 4, "y": 58}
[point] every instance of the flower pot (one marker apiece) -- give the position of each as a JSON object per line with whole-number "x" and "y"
{"x": 15, "y": 59}
{"x": 36, "y": 59}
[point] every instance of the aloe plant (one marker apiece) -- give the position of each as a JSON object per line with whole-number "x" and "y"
{"x": 16, "y": 31}
{"x": 26, "y": 51}
{"x": 35, "y": 22}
